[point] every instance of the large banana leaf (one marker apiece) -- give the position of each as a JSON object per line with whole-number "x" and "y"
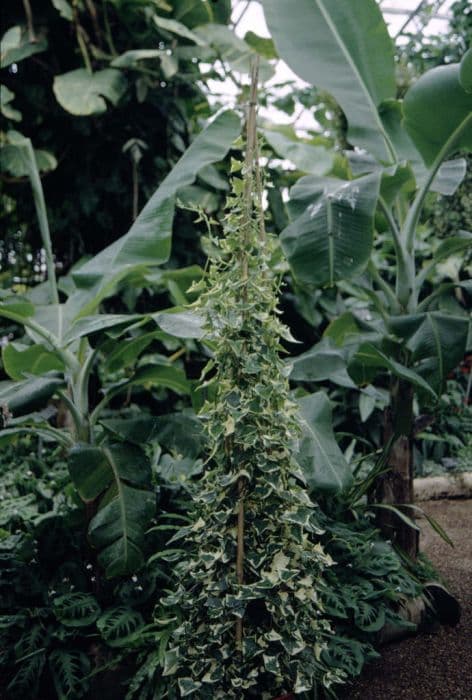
{"x": 343, "y": 47}
{"x": 332, "y": 239}
{"x": 322, "y": 462}
{"x": 148, "y": 242}
{"x": 437, "y": 342}
{"x": 118, "y": 474}
{"x": 438, "y": 113}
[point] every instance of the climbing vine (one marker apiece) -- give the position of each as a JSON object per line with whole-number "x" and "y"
{"x": 250, "y": 620}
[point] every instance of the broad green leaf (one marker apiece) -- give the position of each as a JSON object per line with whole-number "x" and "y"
{"x": 139, "y": 430}
{"x": 94, "y": 324}
{"x": 168, "y": 376}
{"x": 232, "y": 50}
{"x": 22, "y": 397}
{"x": 305, "y": 156}
{"x": 369, "y": 359}
{"x": 332, "y": 239}
{"x": 9, "y": 112}
{"x": 319, "y": 456}
{"x": 264, "y": 47}
{"x": 344, "y": 48}
{"x": 148, "y": 241}
{"x": 14, "y": 158}
{"x": 453, "y": 245}
{"x": 171, "y": 25}
{"x": 128, "y": 350}
{"x": 122, "y": 473}
{"x": 438, "y": 345}
{"x": 321, "y": 363}
{"x": 82, "y": 93}
{"x": 437, "y": 107}
{"x": 465, "y": 71}
{"x": 20, "y": 360}
{"x": 17, "y": 46}
{"x": 93, "y": 469}
{"x": 181, "y": 324}
{"x": 117, "y": 530}
{"x": 64, "y": 8}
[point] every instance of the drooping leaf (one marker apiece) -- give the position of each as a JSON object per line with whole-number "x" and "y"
{"x": 438, "y": 345}
{"x": 24, "y": 396}
{"x": 20, "y": 360}
{"x": 88, "y": 325}
{"x": 148, "y": 241}
{"x": 368, "y": 360}
{"x": 181, "y": 324}
{"x": 307, "y": 157}
{"x": 16, "y": 46}
{"x": 232, "y": 50}
{"x": 82, "y": 93}
{"x": 332, "y": 239}
{"x": 319, "y": 456}
{"x": 117, "y": 530}
{"x": 15, "y": 160}
{"x": 175, "y": 27}
{"x": 435, "y": 108}
{"x": 322, "y": 362}
{"x": 126, "y": 506}
{"x": 331, "y": 44}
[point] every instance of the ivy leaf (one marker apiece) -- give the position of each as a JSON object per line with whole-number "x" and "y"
{"x": 82, "y": 93}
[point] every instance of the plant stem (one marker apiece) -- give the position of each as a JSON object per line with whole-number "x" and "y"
{"x": 40, "y": 205}
{"x": 251, "y": 139}
{"x": 385, "y": 287}
{"x": 415, "y": 210}
{"x": 29, "y": 21}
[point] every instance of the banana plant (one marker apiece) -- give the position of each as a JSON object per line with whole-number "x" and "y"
{"x": 65, "y": 340}
{"x": 405, "y": 329}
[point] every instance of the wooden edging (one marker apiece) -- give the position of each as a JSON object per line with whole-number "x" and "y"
{"x": 457, "y": 485}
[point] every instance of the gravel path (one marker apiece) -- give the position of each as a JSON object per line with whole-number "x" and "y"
{"x": 433, "y": 666}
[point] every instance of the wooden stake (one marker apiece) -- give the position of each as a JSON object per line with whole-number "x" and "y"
{"x": 251, "y": 167}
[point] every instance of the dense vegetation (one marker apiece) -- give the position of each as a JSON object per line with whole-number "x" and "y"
{"x": 213, "y": 405}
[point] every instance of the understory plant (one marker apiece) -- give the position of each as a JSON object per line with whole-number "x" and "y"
{"x": 249, "y": 618}
{"x": 399, "y": 326}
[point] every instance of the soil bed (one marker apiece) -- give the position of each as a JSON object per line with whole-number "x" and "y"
{"x": 432, "y": 666}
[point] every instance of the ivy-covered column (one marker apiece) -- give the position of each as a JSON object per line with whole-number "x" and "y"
{"x": 250, "y": 620}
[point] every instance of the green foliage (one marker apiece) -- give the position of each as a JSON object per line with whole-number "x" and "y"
{"x": 250, "y": 425}
{"x": 328, "y": 53}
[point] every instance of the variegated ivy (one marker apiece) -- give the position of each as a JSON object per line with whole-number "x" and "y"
{"x": 251, "y": 623}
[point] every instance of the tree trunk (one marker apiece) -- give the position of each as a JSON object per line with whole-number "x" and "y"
{"x": 395, "y": 487}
